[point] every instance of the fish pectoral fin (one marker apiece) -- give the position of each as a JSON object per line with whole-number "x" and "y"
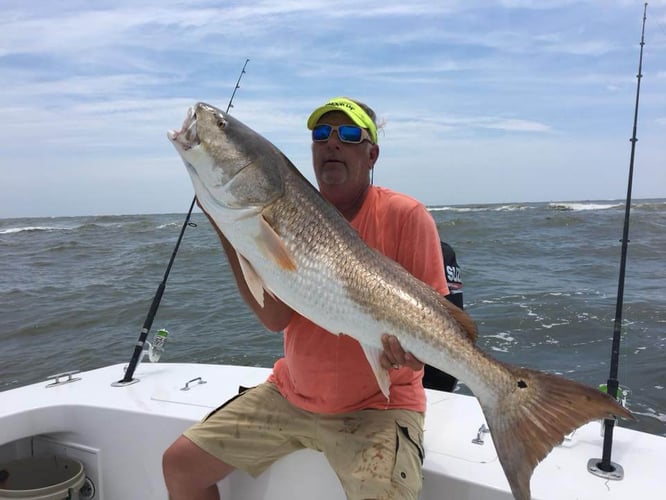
{"x": 252, "y": 279}
{"x": 272, "y": 246}
{"x": 374, "y": 354}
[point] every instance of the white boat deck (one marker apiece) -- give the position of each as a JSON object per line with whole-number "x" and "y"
{"x": 119, "y": 433}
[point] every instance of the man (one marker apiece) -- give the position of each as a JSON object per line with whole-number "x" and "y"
{"x": 323, "y": 391}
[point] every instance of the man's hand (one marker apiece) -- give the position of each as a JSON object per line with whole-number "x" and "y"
{"x": 395, "y": 357}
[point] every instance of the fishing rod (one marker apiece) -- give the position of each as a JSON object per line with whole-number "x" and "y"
{"x": 606, "y": 468}
{"x": 143, "y": 335}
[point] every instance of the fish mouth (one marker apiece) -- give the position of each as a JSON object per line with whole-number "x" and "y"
{"x": 186, "y": 137}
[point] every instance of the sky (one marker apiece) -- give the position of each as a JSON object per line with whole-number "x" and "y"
{"x": 493, "y": 101}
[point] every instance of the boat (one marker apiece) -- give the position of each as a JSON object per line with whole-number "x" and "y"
{"x": 119, "y": 432}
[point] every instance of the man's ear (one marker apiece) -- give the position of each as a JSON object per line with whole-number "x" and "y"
{"x": 374, "y": 155}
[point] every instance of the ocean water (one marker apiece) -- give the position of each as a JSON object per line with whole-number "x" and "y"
{"x": 540, "y": 279}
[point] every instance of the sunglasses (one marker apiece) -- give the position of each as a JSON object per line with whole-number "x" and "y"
{"x": 346, "y": 133}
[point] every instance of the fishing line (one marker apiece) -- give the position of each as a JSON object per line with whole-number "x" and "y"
{"x": 605, "y": 467}
{"x": 143, "y": 335}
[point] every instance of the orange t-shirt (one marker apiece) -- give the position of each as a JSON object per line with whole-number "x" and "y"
{"x": 326, "y": 373}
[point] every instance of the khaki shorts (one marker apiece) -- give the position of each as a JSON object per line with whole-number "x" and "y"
{"x": 376, "y": 454}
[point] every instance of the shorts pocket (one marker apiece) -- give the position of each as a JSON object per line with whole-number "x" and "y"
{"x": 241, "y": 391}
{"x": 409, "y": 455}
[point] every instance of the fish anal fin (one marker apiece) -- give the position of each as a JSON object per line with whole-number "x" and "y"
{"x": 273, "y": 247}
{"x": 374, "y": 354}
{"x": 535, "y": 414}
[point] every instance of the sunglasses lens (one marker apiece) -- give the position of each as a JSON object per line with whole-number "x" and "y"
{"x": 321, "y": 133}
{"x": 349, "y": 133}
{"x": 346, "y": 133}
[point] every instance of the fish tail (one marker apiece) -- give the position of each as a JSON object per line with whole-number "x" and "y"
{"x": 535, "y": 414}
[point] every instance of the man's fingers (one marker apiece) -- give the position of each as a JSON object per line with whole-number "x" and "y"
{"x": 413, "y": 362}
{"x": 394, "y": 355}
{"x": 393, "y": 351}
{"x": 388, "y": 359}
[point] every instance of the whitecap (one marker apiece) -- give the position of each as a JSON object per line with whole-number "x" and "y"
{"x": 13, "y": 230}
{"x": 581, "y": 206}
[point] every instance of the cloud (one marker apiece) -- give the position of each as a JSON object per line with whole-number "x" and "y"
{"x": 89, "y": 90}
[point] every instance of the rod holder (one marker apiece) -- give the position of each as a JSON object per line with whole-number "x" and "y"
{"x": 616, "y": 472}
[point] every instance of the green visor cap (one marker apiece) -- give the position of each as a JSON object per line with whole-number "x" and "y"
{"x": 351, "y": 109}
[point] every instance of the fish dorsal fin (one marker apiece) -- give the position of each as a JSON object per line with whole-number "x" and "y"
{"x": 272, "y": 246}
{"x": 252, "y": 279}
{"x": 462, "y": 318}
{"x": 374, "y": 354}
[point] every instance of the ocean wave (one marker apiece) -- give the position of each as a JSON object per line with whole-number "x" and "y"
{"x": 509, "y": 207}
{"x": 169, "y": 225}
{"x": 583, "y": 206}
{"x": 652, "y": 205}
{"x": 13, "y": 230}
{"x": 443, "y": 209}
{"x": 81, "y": 224}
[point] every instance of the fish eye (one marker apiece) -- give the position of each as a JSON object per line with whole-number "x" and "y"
{"x": 221, "y": 123}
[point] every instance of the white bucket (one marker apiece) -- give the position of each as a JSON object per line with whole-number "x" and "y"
{"x": 41, "y": 478}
